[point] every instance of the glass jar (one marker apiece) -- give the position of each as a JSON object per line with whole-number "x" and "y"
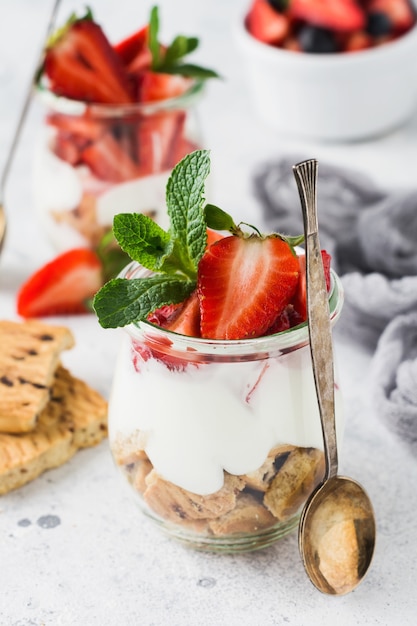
{"x": 220, "y": 441}
{"x": 95, "y": 160}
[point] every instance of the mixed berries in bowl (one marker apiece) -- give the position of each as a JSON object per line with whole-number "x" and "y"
{"x": 119, "y": 116}
{"x": 329, "y": 26}
{"x": 330, "y": 70}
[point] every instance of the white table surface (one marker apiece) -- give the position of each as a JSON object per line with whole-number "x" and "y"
{"x": 74, "y": 551}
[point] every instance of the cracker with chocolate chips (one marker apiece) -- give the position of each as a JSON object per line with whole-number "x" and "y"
{"x": 74, "y": 418}
{"x": 29, "y": 356}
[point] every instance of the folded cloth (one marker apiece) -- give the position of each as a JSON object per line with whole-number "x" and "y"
{"x": 372, "y": 237}
{"x": 394, "y": 378}
{"x": 370, "y": 234}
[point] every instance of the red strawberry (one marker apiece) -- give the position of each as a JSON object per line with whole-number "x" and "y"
{"x": 187, "y": 321}
{"x": 266, "y": 24}
{"x": 244, "y": 283}
{"x": 62, "y": 286}
{"x": 157, "y": 139}
{"x": 108, "y": 161}
{"x": 81, "y": 64}
{"x": 157, "y": 86}
{"x": 81, "y": 127}
{"x": 300, "y": 299}
{"x": 343, "y": 15}
{"x": 359, "y": 40}
{"x": 133, "y": 47}
{"x": 400, "y": 12}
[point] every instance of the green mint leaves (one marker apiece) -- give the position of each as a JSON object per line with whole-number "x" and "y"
{"x": 170, "y": 59}
{"x": 172, "y": 256}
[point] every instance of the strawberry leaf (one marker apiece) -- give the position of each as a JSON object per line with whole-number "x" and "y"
{"x": 181, "y": 46}
{"x": 120, "y": 301}
{"x": 217, "y": 219}
{"x": 190, "y": 70}
{"x": 153, "y": 42}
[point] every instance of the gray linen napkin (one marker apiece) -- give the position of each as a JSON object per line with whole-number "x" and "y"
{"x": 372, "y": 237}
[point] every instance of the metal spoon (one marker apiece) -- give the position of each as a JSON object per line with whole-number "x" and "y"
{"x": 337, "y": 527}
{"x": 19, "y": 127}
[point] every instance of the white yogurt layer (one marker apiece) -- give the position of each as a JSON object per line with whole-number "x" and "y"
{"x": 218, "y": 416}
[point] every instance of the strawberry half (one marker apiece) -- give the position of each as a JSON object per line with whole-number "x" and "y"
{"x": 62, "y": 286}
{"x": 244, "y": 283}
{"x": 81, "y": 64}
{"x": 108, "y": 161}
{"x": 341, "y": 15}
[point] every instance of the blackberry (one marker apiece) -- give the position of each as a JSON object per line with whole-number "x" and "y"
{"x": 317, "y": 40}
{"x": 378, "y": 24}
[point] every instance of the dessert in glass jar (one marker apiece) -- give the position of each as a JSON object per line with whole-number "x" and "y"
{"x": 213, "y": 415}
{"x": 117, "y": 119}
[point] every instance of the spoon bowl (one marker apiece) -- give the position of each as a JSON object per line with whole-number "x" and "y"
{"x": 337, "y": 527}
{"x": 337, "y": 535}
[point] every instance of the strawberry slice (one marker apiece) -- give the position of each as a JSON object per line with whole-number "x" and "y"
{"x": 266, "y": 24}
{"x": 244, "y": 283}
{"x": 108, "y": 161}
{"x": 187, "y": 321}
{"x": 300, "y": 299}
{"x": 340, "y": 15}
{"x": 158, "y": 86}
{"x": 62, "y": 286}
{"x": 80, "y": 126}
{"x": 157, "y": 140}
{"x": 133, "y": 45}
{"x": 81, "y": 64}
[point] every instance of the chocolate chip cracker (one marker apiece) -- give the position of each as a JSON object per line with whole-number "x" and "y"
{"x": 74, "y": 418}
{"x": 29, "y": 355}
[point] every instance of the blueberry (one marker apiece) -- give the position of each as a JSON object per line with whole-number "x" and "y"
{"x": 317, "y": 40}
{"x": 378, "y": 24}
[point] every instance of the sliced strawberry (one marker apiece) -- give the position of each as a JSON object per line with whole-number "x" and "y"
{"x": 244, "y": 284}
{"x": 81, "y": 64}
{"x": 80, "y": 126}
{"x": 212, "y": 236}
{"x": 108, "y": 161}
{"x": 62, "y": 286}
{"x": 339, "y": 15}
{"x": 266, "y": 24}
{"x": 299, "y": 301}
{"x": 157, "y": 86}
{"x": 133, "y": 45}
{"x": 400, "y": 12}
{"x": 187, "y": 321}
{"x": 157, "y": 139}
{"x": 163, "y": 315}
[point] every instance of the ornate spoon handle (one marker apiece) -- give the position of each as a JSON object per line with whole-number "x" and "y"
{"x": 318, "y": 311}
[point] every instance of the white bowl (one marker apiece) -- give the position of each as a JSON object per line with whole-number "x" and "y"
{"x": 332, "y": 97}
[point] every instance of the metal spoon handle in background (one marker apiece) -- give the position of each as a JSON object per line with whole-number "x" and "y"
{"x": 318, "y": 311}
{"x": 20, "y": 123}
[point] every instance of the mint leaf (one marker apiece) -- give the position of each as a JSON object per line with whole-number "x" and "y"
{"x": 153, "y": 42}
{"x": 190, "y": 71}
{"x": 181, "y": 46}
{"x": 142, "y": 239}
{"x": 184, "y": 196}
{"x": 167, "y": 59}
{"x": 121, "y": 301}
{"x": 218, "y": 219}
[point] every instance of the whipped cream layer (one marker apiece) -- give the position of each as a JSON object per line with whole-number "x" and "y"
{"x": 216, "y": 416}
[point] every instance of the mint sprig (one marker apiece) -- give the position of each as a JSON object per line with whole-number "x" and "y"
{"x": 173, "y": 256}
{"x": 169, "y": 60}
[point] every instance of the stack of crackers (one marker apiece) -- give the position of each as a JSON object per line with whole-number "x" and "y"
{"x": 46, "y": 414}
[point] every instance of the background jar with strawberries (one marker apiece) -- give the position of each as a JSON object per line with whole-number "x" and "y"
{"x": 117, "y": 120}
